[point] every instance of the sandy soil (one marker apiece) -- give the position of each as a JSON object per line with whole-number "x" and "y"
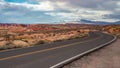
{"x": 107, "y": 57}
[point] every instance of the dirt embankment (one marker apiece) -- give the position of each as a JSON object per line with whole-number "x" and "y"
{"x": 107, "y": 57}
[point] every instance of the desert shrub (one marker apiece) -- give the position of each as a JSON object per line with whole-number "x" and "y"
{"x": 78, "y": 36}
{"x": 2, "y": 47}
{"x": 18, "y": 38}
{"x": 18, "y": 46}
{"x": 20, "y": 34}
{"x": 5, "y": 47}
{"x": 25, "y": 40}
{"x": 58, "y": 40}
{"x": 40, "y": 42}
{"x": 118, "y": 36}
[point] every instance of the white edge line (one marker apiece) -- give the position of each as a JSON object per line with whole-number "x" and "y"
{"x": 79, "y": 55}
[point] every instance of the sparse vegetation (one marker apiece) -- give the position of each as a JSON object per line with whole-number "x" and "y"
{"x": 40, "y": 42}
{"x": 113, "y": 29}
{"x": 18, "y": 35}
{"x": 36, "y": 34}
{"x": 118, "y": 36}
{"x": 37, "y": 39}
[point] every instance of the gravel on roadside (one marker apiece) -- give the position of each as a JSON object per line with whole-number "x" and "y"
{"x": 107, "y": 57}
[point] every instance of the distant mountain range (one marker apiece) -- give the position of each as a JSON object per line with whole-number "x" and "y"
{"x": 97, "y": 22}
{"x": 82, "y": 21}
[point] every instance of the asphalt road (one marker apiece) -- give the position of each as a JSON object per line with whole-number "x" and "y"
{"x": 47, "y": 55}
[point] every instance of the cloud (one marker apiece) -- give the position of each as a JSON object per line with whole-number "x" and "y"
{"x": 43, "y": 6}
{"x": 40, "y": 6}
{"x": 88, "y": 9}
{"x": 69, "y": 10}
{"x": 81, "y": 14}
{"x": 1, "y": 0}
{"x": 113, "y": 16}
{"x": 22, "y": 13}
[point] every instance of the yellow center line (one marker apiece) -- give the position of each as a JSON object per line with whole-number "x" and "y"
{"x": 40, "y": 51}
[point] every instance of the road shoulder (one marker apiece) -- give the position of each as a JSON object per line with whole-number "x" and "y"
{"x": 108, "y": 57}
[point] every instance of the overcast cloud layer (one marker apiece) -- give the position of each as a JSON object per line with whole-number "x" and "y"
{"x": 50, "y": 11}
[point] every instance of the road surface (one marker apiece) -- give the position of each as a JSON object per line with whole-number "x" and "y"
{"x": 54, "y": 54}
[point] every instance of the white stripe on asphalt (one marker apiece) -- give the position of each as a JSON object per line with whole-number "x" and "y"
{"x": 77, "y": 56}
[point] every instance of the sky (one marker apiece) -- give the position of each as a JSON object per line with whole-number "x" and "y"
{"x": 56, "y": 11}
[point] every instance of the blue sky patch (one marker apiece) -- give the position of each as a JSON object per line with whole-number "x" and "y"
{"x": 16, "y": 1}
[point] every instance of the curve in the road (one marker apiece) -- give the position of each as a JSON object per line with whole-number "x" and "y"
{"x": 53, "y": 55}
{"x": 58, "y": 65}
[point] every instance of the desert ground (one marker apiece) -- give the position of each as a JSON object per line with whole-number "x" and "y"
{"x": 25, "y": 35}
{"x": 21, "y": 35}
{"x": 107, "y": 57}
